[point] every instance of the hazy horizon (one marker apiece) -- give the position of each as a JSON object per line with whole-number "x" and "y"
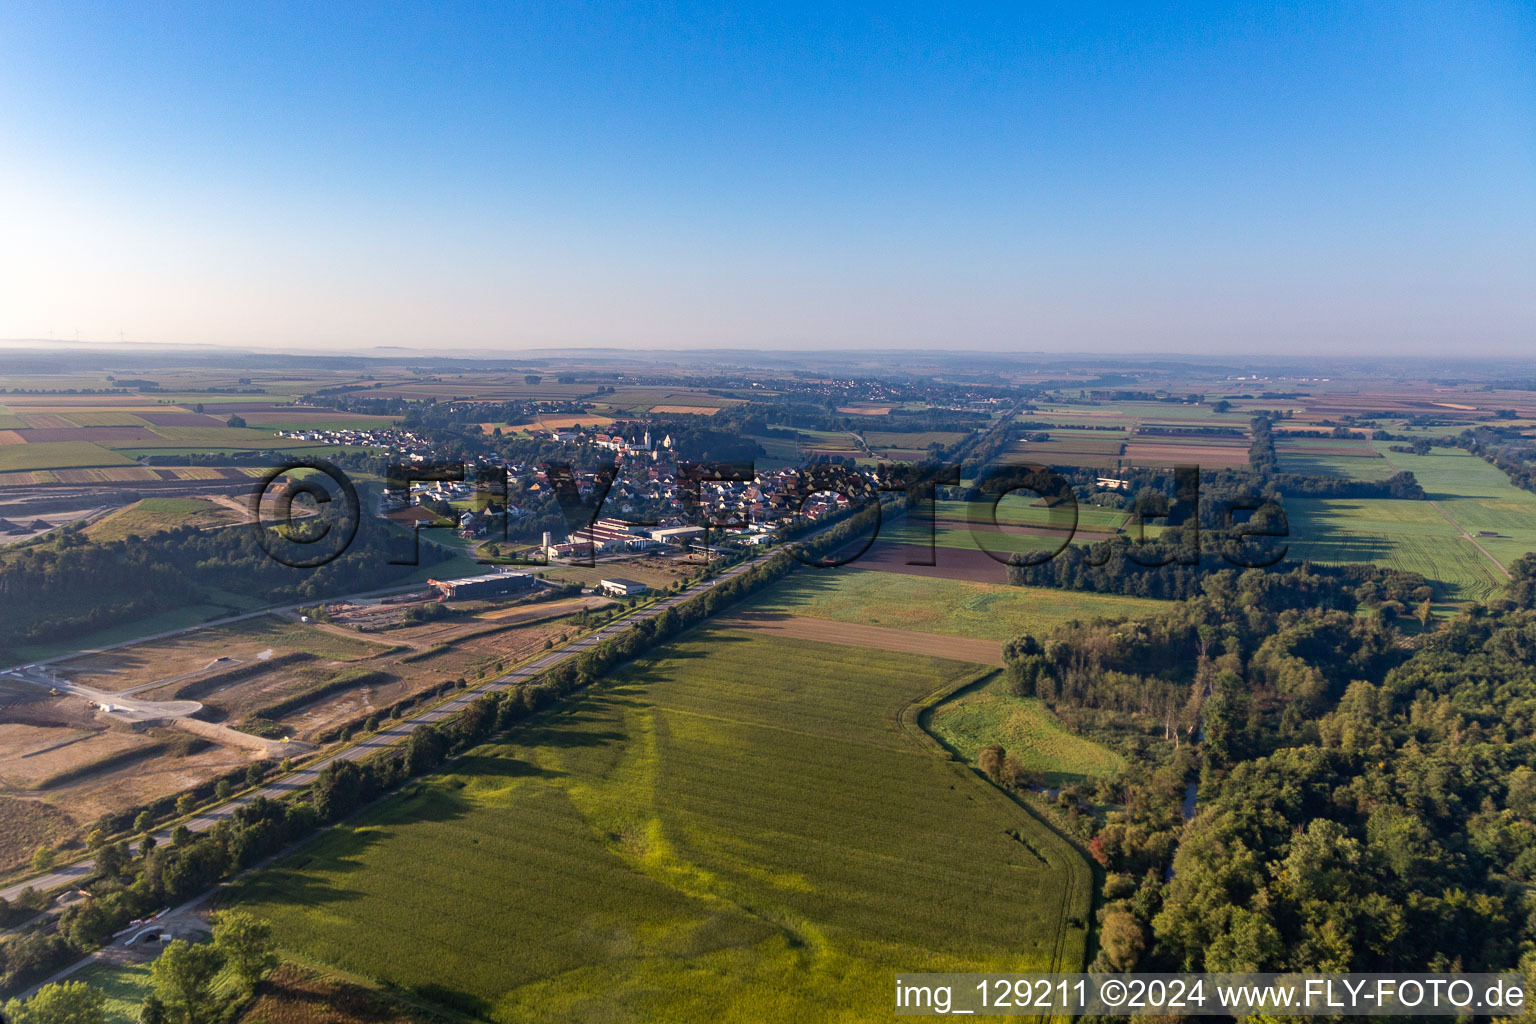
{"x": 1205, "y": 182}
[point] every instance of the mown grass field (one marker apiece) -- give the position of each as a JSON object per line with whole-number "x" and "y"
{"x": 930, "y": 604}
{"x": 125, "y": 986}
{"x": 1407, "y": 535}
{"x": 734, "y": 830}
{"x": 1477, "y": 496}
{"x": 1026, "y": 728}
{"x": 1018, "y": 509}
{"x": 1465, "y": 493}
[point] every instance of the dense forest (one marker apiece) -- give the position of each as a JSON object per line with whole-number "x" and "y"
{"x": 1366, "y": 794}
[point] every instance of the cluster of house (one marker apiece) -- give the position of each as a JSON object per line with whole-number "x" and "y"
{"x": 403, "y": 442}
{"x": 644, "y": 448}
{"x": 614, "y": 536}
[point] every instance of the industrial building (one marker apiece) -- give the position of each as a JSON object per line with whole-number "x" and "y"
{"x": 496, "y": 584}
{"x": 618, "y": 587}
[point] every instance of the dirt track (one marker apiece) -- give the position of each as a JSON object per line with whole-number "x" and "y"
{"x": 798, "y": 627}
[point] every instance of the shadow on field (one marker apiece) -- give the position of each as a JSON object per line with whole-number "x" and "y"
{"x": 501, "y": 766}
{"x": 463, "y": 1002}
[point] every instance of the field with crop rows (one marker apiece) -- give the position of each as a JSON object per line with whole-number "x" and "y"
{"x": 1019, "y": 509}
{"x": 57, "y": 455}
{"x": 1477, "y": 496}
{"x": 1352, "y": 458}
{"x": 935, "y": 605}
{"x": 918, "y": 441}
{"x": 1407, "y": 535}
{"x": 653, "y": 848}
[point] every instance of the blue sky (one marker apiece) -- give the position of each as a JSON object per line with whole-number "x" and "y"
{"x": 1321, "y": 177}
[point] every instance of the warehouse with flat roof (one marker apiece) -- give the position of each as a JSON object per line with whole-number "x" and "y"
{"x": 496, "y": 584}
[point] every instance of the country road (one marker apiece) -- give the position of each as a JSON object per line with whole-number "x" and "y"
{"x": 387, "y": 737}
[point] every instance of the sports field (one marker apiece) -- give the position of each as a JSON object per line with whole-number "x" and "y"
{"x": 736, "y": 830}
{"x": 930, "y": 604}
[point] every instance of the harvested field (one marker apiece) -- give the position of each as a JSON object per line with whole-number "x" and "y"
{"x": 586, "y": 419}
{"x": 1206, "y": 455}
{"x": 11, "y": 437}
{"x": 27, "y": 824}
{"x": 130, "y": 785}
{"x": 686, "y": 410}
{"x": 45, "y": 421}
{"x": 543, "y": 610}
{"x": 69, "y": 752}
{"x": 954, "y": 563}
{"x": 96, "y": 435}
{"x": 934, "y": 645}
{"x": 654, "y": 571}
{"x": 181, "y": 419}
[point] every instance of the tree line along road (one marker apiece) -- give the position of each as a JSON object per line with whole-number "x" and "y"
{"x": 75, "y": 872}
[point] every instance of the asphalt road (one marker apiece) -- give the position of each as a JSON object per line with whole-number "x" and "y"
{"x": 72, "y": 873}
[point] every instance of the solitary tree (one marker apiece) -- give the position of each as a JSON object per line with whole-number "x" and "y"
{"x": 183, "y": 980}
{"x": 991, "y": 760}
{"x": 43, "y": 859}
{"x": 246, "y": 944}
{"x": 1122, "y": 939}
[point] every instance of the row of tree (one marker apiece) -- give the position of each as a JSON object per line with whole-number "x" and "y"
{"x": 130, "y": 886}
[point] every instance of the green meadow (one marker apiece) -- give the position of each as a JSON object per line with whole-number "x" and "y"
{"x": 736, "y": 829}
{"x": 1477, "y": 496}
{"x": 1026, "y": 728}
{"x": 1406, "y": 535}
{"x": 930, "y": 604}
{"x": 1464, "y": 494}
